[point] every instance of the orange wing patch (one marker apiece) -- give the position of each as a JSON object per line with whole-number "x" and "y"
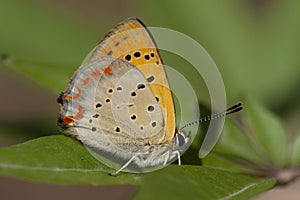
{"x": 78, "y": 94}
{"x": 79, "y": 113}
{"x": 85, "y": 81}
{"x": 96, "y": 74}
{"x": 107, "y": 70}
{"x": 68, "y": 120}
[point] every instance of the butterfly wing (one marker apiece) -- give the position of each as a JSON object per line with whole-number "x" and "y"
{"x": 131, "y": 41}
{"x": 103, "y": 108}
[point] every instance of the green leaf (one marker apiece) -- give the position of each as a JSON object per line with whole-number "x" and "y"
{"x": 59, "y": 160}
{"x": 63, "y": 160}
{"x": 193, "y": 182}
{"x": 53, "y": 76}
{"x": 268, "y": 134}
{"x": 256, "y": 144}
{"x": 229, "y": 163}
{"x": 235, "y": 142}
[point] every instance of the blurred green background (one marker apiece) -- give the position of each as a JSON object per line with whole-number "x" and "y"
{"x": 255, "y": 44}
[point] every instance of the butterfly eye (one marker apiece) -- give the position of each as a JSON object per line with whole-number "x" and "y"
{"x": 180, "y": 139}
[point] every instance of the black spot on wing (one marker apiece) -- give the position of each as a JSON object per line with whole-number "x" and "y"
{"x": 109, "y": 53}
{"x": 137, "y": 54}
{"x": 150, "y": 79}
{"x": 141, "y": 86}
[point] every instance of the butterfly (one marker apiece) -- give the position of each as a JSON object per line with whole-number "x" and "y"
{"x": 119, "y": 103}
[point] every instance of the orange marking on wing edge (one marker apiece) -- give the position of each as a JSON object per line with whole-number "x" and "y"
{"x": 77, "y": 95}
{"x": 69, "y": 120}
{"x": 79, "y": 113}
{"x": 107, "y": 70}
{"x": 67, "y": 97}
{"x": 96, "y": 74}
{"x": 85, "y": 81}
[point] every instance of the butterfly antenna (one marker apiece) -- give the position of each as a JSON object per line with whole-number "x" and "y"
{"x": 233, "y": 109}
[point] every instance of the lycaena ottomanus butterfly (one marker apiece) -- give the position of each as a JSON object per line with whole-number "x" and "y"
{"x": 119, "y": 103}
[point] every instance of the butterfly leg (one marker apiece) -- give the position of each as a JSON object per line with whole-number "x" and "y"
{"x": 178, "y": 157}
{"x": 167, "y": 157}
{"x": 124, "y": 166}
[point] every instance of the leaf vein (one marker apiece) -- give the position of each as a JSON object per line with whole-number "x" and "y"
{"x": 55, "y": 169}
{"x": 238, "y": 192}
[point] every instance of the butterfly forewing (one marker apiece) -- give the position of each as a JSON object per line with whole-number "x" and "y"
{"x": 132, "y": 42}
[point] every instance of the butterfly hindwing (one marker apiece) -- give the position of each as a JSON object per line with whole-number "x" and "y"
{"x": 109, "y": 108}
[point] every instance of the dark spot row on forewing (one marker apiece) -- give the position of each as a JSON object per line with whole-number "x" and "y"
{"x": 128, "y": 57}
{"x": 137, "y": 54}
